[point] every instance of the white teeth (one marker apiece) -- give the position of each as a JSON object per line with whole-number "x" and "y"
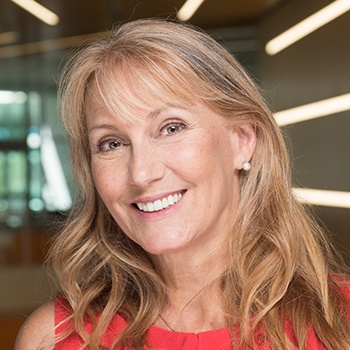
{"x": 165, "y": 203}
{"x": 171, "y": 200}
{"x": 141, "y": 206}
{"x": 150, "y": 206}
{"x": 159, "y": 204}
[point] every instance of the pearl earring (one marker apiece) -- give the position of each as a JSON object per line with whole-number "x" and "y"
{"x": 246, "y": 166}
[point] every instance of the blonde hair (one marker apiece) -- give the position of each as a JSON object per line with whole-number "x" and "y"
{"x": 282, "y": 266}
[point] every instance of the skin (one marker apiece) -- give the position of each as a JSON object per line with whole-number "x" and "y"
{"x": 164, "y": 151}
{"x": 174, "y": 150}
{"x": 170, "y": 150}
{"x": 38, "y": 331}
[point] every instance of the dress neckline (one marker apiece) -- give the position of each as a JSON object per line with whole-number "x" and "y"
{"x": 158, "y": 329}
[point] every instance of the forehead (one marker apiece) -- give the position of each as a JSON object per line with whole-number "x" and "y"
{"x": 98, "y": 112}
{"x": 126, "y": 88}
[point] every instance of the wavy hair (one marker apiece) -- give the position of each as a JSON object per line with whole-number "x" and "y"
{"x": 282, "y": 266}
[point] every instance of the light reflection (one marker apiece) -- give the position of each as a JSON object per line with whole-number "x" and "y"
{"x": 12, "y": 97}
{"x": 8, "y": 37}
{"x": 36, "y": 204}
{"x": 314, "y": 110}
{"x": 4, "y": 205}
{"x": 339, "y": 199}
{"x": 33, "y": 138}
{"x": 14, "y": 221}
{"x": 55, "y": 192}
{"x": 307, "y": 26}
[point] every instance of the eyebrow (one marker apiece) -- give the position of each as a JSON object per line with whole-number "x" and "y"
{"x": 155, "y": 113}
{"x": 151, "y": 115}
{"x": 101, "y": 126}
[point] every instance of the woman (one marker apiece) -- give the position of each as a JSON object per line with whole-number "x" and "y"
{"x": 187, "y": 234}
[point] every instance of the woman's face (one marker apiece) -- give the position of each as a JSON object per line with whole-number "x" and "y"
{"x": 170, "y": 176}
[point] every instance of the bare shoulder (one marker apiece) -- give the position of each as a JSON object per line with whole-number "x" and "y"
{"x": 38, "y": 332}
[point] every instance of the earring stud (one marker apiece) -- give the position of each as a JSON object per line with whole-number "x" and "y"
{"x": 246, "y": 166}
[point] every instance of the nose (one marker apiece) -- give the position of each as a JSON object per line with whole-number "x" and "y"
{"x": 146, "y": 166}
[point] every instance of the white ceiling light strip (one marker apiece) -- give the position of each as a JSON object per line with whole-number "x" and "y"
{"x": 339, "y": 199}
{"x": 188, "y": 9}
{"x": 47, "y": 45}
{"x": 313, "y": 110}
{"x": 307, "y": 26}
{"x": 38, "y": 11}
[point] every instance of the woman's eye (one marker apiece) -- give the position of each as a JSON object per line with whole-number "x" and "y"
{"x": 173, "y": 128}
{"x": 108, "y": 145}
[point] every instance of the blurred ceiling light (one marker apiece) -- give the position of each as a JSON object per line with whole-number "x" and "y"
{"x": 38, "y": 11}
{"x": 47, "y": 45}
{"x": 313, "y": 110}
{"x": 8, "y": 38}
{"x": 326, "y": 198}
{"x": 307, "y": 26}
{"x": 188, "y": 9}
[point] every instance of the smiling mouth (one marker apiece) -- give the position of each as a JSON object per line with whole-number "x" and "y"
{"x": 159, "y": 204}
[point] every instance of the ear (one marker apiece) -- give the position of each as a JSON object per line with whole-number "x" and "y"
{"x": 244, "y": 140}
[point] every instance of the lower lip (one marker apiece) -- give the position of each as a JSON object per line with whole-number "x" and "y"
{"x": 159, "y": 213}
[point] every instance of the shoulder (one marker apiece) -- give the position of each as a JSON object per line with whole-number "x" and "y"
{"x": 39, "y": 330}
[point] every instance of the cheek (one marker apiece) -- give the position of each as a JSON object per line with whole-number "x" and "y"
{"x": 203, "y": 154}
{"x": 201, "y": 145}
{"x": 105, "y": 179}
{"x": 189, "y": 159}
{"x": 97, "y": 174}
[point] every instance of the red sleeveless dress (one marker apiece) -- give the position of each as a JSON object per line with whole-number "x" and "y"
{"x": 162, "y": 339}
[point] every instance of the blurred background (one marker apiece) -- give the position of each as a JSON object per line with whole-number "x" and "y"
{"x": 304, "y": 75}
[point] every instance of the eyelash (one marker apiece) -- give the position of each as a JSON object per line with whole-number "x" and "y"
{"x": 164, "y": 130}
{"x": 108, "y": 142}
{"x": 174, "y": 124}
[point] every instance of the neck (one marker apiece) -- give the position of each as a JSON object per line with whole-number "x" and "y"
{"x": 194, "y": 295}
{"x": 193, "y": 313}
{"x": 190, "y": 269}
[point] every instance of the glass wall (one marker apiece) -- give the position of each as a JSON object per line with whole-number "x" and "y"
{"x": 32, "y": 146}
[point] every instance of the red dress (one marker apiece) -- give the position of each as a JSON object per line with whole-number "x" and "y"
{"x": 162, "y": 339}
